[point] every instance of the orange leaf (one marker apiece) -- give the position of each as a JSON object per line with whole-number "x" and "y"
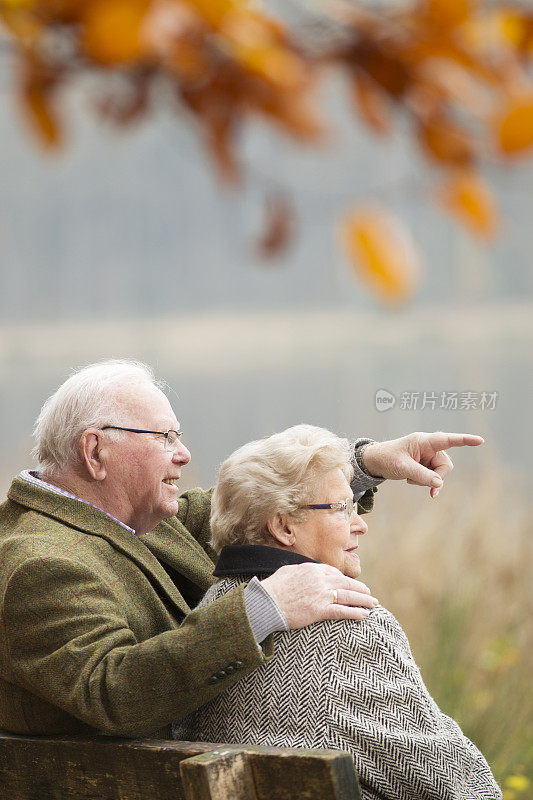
{"x": 382, "y": 252}
{"x": 112, "y": 30}
{"x": 469, "y": 199}
{"x": 256, "y": 43}
{"x": 22, "y": 24}
{"x": 448, "y": 13}
{"x": 514, "y": 127}
{"x": 371, "y": 103}
{"x": 445, "y": 141}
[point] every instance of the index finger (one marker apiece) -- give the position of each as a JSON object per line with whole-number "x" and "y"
{"x": 443, "y": 441}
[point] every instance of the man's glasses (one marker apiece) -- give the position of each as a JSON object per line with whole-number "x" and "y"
{"x": 171, "y": 436}
{"x": 347, "y": 506}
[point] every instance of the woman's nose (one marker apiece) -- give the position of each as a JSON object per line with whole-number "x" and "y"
{"x": 357, "y": 524}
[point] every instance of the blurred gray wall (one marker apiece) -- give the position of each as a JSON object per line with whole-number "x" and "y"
{"x": 124, "y": 244}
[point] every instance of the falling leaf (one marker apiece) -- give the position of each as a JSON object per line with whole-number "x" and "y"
{"x": 279, "y": 224}
{"x": 112, "y": 30}
{"x": 468, "y": 198}
{"x": 371, "y": 103}
{"x": 514, "y": 126}
{"x": 382, "y": 252}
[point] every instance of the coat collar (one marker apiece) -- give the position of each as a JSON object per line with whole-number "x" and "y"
{"x": 255, "y": 559}
{"x": 170, "y": 544}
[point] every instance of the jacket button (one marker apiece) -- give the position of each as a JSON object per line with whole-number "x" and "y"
{"x": 221, "y": 674}
{"x": 213, "y": 679}
{"x": 237, "y": 664}
{"x": 229, "y": 669}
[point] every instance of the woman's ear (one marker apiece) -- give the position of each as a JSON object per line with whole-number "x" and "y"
{"x": 280, "y": 530}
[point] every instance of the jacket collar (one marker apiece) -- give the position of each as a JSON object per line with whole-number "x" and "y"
{"x": 173, "y": 545}
{"x": 255, "y": 559}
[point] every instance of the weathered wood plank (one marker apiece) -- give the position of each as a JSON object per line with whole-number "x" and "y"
{"x": 284, "y": 774}
{"x": 34, "y": 768}
{"x": 222, "y": 774}
{"x": 106, "y": 768}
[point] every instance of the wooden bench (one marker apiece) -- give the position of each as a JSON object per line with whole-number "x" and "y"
{"x": 106, "y": 768}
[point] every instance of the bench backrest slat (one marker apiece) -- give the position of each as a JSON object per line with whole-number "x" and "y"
{"x": 105, "y": 768}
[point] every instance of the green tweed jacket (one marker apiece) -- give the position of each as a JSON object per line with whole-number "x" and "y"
{"x": 96, "y": 629}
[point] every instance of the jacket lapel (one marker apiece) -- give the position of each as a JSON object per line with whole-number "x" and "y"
{"x": 78, "y": 515}
{"x": 173, "y": 545}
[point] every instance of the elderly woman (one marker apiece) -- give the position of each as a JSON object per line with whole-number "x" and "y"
{"x": 343, "y": 684}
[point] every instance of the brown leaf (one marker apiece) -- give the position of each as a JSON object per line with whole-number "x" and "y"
{"x": 111, "y": 31}
{"x": 42, "y": 116}
{"x": 468, "y": 198}
{"x": 445, "y": 141}
{"x": 382, "y": 252}
{"x": 380, "y": 60}
{"x": 371, "y": 103}
{"x": 514, "y": 126}
{"x": 37, "y": 87}
{"x": 279, "y": 224}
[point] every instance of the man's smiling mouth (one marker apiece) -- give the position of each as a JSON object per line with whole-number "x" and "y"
{"x": 171, "y": 481}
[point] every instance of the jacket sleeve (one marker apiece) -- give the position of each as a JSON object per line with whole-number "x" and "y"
{"x": 194, "y": 513}
{"x": 67, "y": 640}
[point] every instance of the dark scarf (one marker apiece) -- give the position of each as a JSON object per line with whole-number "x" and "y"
{"x": 255, "y": 559}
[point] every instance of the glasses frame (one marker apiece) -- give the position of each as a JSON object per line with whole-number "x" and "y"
{"x": 344, "y": 505}
{"x": 168, "y": 444}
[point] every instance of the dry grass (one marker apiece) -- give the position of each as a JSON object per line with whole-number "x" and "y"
{"x": 457, "y": 573}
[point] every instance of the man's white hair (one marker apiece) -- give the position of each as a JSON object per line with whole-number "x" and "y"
{"x": 273, "y": 475}
{"x": 88, "y": 399}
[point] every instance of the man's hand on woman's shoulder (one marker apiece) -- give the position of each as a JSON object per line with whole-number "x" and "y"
{"x": 307, "y": 593}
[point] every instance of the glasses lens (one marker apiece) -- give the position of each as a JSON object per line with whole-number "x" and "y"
{"x": 170, "y": 440}
{"x": 349, "y": 507}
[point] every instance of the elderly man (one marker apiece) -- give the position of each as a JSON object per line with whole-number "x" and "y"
{"x": 102, "y": 560}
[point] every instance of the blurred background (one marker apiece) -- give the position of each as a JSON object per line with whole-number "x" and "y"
{"x": 125, "y": 245}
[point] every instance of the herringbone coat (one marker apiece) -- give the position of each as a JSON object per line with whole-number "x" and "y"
{"x": 350, "y": 686}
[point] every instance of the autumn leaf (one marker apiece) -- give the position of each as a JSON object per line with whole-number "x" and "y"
{"x": 446, "y": 141}
{"x": 470, "y": 200}
{"x": 278, "y": 226}
{"x": 382, "y": 252}
{"x": 371, "y": 103}
{"x": 112, "y": 30}
{"x": 447, "y": 13}
{"x": 514, "y": 126}
{"x": 37, "y": 105}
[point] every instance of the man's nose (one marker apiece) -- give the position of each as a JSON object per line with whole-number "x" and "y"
{"x": 181, "y": 455}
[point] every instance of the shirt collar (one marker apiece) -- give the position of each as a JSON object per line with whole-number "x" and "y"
{"x": 255, "y": 559}
{"x": 31, "y": 476}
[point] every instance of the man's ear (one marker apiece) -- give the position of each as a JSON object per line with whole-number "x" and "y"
{"x": 280, "y": 529}
{"x": 90, "y": 446}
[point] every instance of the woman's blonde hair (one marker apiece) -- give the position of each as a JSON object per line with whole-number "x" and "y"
{"x": 273, "y": 475}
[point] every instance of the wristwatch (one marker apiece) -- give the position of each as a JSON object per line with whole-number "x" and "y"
{"x": 358, "y": 452}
